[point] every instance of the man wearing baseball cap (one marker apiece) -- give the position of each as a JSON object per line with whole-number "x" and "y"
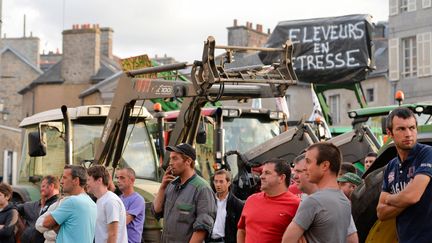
{"x": 185, "y": 200}
{"x": 348, "y": 182}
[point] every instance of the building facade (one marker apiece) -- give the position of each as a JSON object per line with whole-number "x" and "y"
{"x": 86, "y": 60}
{"x": 410, "y": 50}
{"x": 19, "y": 66}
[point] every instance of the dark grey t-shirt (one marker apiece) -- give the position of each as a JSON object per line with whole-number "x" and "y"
{"x": 325, "y": 216}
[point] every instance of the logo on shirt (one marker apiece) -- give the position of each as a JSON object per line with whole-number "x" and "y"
{"x": 426, "y": 165}
{"x": 411, "y": 171}
{"x": 391, "y": 177}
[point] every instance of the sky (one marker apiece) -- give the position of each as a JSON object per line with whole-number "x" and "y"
{"x": 177, "y": 28}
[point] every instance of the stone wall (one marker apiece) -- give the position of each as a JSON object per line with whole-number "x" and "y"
{"x": 81, "y": 54}
{"x": 26, "y": 46}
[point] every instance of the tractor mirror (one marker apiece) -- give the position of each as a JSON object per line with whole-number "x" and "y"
{"x": 36, "y": 145}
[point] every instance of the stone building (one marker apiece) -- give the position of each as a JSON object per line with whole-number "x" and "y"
{"x": 410, "y": 48}
{"x": 246, "y": 35}
{"x": 87, "y": 59}
{"x": 19, "y": 66}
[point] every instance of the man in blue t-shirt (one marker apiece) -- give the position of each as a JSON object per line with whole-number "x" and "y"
{"x": 407, "y": 187}
{"x": 76, "y": 216}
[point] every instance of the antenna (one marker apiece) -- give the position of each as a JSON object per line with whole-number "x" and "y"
{"x": 63, "y": 14}
{"x": 1, "y": 17}
{"x": 24, "y": 27}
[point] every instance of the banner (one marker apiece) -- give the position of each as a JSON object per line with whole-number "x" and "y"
{"x": 317, "y": 113}
{"x": 326, "y": 50}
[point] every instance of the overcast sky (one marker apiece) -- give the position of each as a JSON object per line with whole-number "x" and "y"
{"x": 173, "y": 27}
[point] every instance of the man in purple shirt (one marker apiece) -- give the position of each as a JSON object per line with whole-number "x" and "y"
{"x": 134, "y": 204}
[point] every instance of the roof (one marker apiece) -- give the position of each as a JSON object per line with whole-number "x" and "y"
{"x": 97, "y": 87}
{"x": 77, "y": 112}
{"x": 107, "y": 68}
{"x": 21, "y": 57}
{"x": 53, "y": 74}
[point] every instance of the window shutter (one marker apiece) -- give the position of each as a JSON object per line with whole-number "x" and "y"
{"x": 426, "y": 3}
{"x": 425, "y": 51}
{"x": 412, "y": 5}
{"x": 420, "y": 55}
{"x": 394, "y": 59}
{"x": 393, "y": 7}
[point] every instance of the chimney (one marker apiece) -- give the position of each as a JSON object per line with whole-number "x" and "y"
{"x": 106, "y": 39}
{"x": 259, "y": 28}
{"x": 81, "y": 54}
{"x": 235, "y": 23}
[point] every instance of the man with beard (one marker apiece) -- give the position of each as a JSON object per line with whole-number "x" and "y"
{"x": 266, "y": 214}
{"x": 185, "y": 200}
{"x": 407, "y": 188}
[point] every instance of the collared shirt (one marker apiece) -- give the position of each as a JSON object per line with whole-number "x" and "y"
{"x": 48, "y": 203}
{"x": 219, "y": 226}
{"x": 413, "y": 224}
{"x": 187, "y": 207}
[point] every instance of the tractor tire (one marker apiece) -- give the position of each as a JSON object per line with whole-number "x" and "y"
{"x": 364, "y": 202}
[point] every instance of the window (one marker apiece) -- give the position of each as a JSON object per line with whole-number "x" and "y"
{"x": 424, "y": 53}
{"x": 403, "y": 6}
{"x": 334, "y": 102}
{"x": 426, "y": 4}
{"x": 412, "y": 5}
{"x": 409, "y": 57}
{"x": 370, "y": 95}
{"x": 393, "y": 7}
{"x": 407, "y": 6}
{"x": 8, "y": 160}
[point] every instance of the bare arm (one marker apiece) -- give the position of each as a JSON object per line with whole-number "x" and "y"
{"x": 241, "y": 236}
{"x": 386, "y": 211}
{"x": 49, "y": 222}
{"x": 411, "y": 194}
{"x": 112, "y": 232}
{"x": 352, "y": 238}
{"x": 160, "y": 197}
{"x": 198, "y": 236}
{"x": 293, "y": 233}
{"x": 129, "y": 218}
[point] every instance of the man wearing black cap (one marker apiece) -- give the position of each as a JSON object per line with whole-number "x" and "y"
{"x": 184, "y": 200}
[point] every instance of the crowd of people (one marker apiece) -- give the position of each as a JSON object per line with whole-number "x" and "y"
{"x": 306, "y": 202}
{"x": 312, "y": 207}
{"x": 87, "y": 211}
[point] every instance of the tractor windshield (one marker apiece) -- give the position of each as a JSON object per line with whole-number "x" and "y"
{"x": 138, "y": 152}
{"x": 244, "y": 133}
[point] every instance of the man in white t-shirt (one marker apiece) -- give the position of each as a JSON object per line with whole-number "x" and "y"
{"x": 111, "y": 213}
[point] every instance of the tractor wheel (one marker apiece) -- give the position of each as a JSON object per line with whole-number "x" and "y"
{"x": 364, "y": 202}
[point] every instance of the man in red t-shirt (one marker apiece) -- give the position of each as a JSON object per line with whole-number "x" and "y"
{"x": 266, "y": 214}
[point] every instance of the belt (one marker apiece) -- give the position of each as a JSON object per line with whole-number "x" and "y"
{"x": 221, "y": 239}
